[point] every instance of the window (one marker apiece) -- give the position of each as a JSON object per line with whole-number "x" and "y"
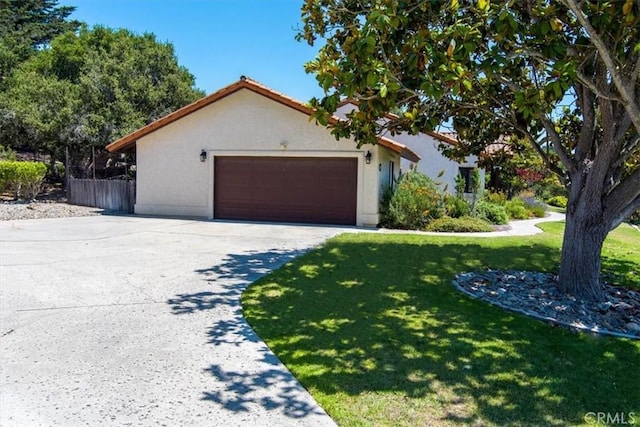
{"x": 466, "y": 174}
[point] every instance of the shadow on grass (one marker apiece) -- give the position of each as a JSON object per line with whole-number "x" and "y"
{"x": 377, "y": 315}
{"x": 264, "y": 382}
{"x": 621, "y": 272}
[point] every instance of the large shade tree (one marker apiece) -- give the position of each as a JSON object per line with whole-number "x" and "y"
{"x": 494, "y": 68}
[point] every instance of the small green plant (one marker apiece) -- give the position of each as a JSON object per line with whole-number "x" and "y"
{"x": 415, "y": 200}
{"x": 496, "y": 198}
{"x": 23, "y": 179}
{"x": 491, "y": 212}
{"x": 6, "y": 153}
{"x": 534, "y": 206}
{"x": 456, "y": 206}
{"x": 460, "y": 185}
{"x": 516, "y": 209}
{"x": 557, "y": 201}
{"x": 465, "y": 224}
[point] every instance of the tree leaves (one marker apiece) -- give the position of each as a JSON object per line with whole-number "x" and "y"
{"x": 92, "y": 87}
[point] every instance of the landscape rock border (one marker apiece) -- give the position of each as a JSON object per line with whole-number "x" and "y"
{"x": 536, "y": 295}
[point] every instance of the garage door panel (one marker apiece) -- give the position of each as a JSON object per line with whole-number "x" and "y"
{"x": 312, "y": 190}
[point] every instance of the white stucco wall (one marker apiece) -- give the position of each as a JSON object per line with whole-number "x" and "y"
{"x": 171, "y": 180}
{"x": 432, "y": 161}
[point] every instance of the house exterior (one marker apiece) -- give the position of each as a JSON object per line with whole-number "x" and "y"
{"x": 247, "y": 152}
{"x": 432, "y": 162}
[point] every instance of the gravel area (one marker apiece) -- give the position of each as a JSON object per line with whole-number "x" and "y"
{"x": 10, "y": 211}
{"x": 537, "y": 295}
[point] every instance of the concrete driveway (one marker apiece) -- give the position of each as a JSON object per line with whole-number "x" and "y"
{"x": 137, "y": 321}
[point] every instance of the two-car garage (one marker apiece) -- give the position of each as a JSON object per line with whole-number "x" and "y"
{"x": 319, "y": 190}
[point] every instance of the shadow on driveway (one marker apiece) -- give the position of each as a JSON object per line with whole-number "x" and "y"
{"x": 260, "y": 379}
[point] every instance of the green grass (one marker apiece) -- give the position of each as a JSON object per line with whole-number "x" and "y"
{"x": 371, "y": 325}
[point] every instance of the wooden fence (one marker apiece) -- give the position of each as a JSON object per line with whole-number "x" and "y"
{"x": 115, "y": 195}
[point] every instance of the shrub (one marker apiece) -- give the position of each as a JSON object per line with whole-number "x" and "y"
{"x": 6, "y": 153}
{"x": 496, "y": 198}
{"x": 491, "y": 212}
{"x": 456, "y": 206}
{"x": 23, "y": 179}
{"x": 535, "y": 207}
{"x": 557, "y": 201}
{"x": 415, "y": 200}
{"x": 516, "y": 209}
{"x": 465, "y": 224}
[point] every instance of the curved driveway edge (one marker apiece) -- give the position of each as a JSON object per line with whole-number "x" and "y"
{"x": 137, "y": 321}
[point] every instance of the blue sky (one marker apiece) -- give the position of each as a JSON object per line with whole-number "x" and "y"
{"x": 219, "y": 40}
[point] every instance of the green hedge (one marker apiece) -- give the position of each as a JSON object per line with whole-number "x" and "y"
{"x": 465, "y": 224}
{"x": 557, "y": 201}
{"x": 22, "y": 179}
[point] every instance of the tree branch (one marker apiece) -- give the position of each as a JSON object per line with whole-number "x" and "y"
{"x": 626, "y": 91}
{"x": 626, "y": 213}
{"x": 562, "y": 153}
{"x": 586, "y": 137}
{"x": 545, "y": 158}
{"x": 622, "y": 200}
{"x": 627, "y": 150}
{"x": 635, "y": 74}
{"x": 585, "y": 80}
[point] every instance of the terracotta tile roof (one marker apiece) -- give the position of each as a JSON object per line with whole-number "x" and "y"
{"x": 440, "y": 136}
{"x": 128, "y": 142}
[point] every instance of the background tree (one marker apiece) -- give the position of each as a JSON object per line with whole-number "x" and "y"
{"x": 513, "y": 167}
{"x": 92, "y": 87}
{"x": 29, "y": 25}
{"x": 494, "y": 68}
{"x": 26, "y": 26}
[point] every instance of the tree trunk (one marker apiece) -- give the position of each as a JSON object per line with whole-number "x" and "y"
{"x": 580, "y": 264}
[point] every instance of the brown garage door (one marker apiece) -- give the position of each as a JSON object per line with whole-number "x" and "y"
{"x": 286, "y": 189}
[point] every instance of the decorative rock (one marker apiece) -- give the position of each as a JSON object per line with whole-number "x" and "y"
{"x": 10, "y": 211}
{"x": 537, "y": 295}
{"x": 633, "y": 328}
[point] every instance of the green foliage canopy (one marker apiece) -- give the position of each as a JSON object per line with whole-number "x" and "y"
{"x": 90, "y": 88}
{"x": 28, "y": 25}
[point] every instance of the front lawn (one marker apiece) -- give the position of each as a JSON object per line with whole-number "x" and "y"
{"x": 371, "y": 325}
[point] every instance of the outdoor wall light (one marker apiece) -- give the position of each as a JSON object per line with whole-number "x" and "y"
{"x": 203, "y": 156}
{"x": 367, "y": 157}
